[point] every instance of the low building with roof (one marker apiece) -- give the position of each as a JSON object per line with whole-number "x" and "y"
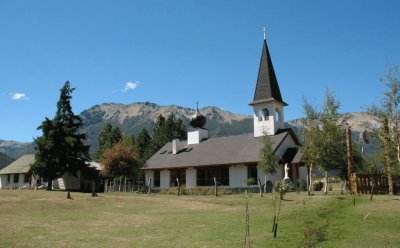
{"x": 18, "y": 173}
{"x": 233, "y": 159}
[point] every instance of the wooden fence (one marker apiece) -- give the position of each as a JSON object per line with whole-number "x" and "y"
{"x": 124, "y": 185}
{"x": 365, "y": 183}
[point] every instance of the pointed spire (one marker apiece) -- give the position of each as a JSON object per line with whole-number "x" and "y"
{"x": 267, "y": 88}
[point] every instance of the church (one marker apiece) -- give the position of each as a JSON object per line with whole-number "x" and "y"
{"x": 232, "y": 159}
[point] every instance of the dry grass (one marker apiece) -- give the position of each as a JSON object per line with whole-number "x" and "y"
{"x": 47, "y": 219}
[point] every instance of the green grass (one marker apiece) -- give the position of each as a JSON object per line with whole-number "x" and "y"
{"x": 47, "y": 219}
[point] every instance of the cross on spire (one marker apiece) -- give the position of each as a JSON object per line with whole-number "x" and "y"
{"x": 265, "y": 33}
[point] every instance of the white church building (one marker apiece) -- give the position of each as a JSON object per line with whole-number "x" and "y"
{"x": 232, "y": 159}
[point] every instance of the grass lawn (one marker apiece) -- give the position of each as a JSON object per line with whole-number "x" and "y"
{"x": 47, "y": 219}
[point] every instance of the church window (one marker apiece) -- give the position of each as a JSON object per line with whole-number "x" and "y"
{"x": 205, "y": 176}
{"x": 180, "y": 174}
{"x": 263, "y": 115}
{"x": 156, "y": 181}
{"x": 278, "y": 115}
{"x": 16, "y": 178}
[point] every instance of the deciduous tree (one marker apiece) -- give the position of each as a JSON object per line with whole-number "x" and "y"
{"x": 268, "y": 159}
{"x": 388, "y": 112}
{"x": 120, "y": 160}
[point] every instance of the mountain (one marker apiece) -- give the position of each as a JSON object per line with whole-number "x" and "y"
{"x": 5, "y": 160}
{"x": 358, "y": 123}
{"x": 132, "y": 118}
{"x": 15, "y": 149}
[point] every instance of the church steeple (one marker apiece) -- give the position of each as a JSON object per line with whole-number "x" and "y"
{"x": 267, "y": 87}
{"x": 267, "y": 102}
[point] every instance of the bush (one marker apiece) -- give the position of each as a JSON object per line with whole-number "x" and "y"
{"x": 288, "y": 187}
{"x": 318, "y": 186}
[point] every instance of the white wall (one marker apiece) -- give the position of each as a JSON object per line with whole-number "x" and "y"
{"x": 273, "y": 123}
{"x": 164, "y": 179}
{"x": 278, "y": 176}
{"x": 191, "y": 179}
{"x": 197, "y": 135}
{"x": 237, "y": 176}
{"x": 3, "y": 180}
{"x": 303, "y": 172}
{"x": 5, "y": 184}
{"x": 68, "y": 182}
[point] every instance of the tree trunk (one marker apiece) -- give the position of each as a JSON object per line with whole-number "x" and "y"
{"x": 149, "y": 183}
{"x": 326, "y": 183}
{"x": 386, "y": 140}
{"x": 215, "y": 187}
{"x": 260, "y": 187}
{"x": 265, "y": 184}
{"x": 309, "y": 188}
{"x": 349, "y": 152}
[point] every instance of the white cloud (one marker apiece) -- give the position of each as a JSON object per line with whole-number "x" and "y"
{"x": 18, "y": 96}
{"x": 130, "y": 86}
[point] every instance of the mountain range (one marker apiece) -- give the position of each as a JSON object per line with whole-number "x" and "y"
{"x": 132, "y": 118}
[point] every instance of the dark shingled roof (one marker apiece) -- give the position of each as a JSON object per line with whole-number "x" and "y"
{"x": 215, "y": 151}
{"x": 21, "y": 165}
{"x": 267, "y": 88}
{"x": 292, "y": 156}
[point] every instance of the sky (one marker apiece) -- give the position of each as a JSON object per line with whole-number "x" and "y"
{"x": 180, "y": 52}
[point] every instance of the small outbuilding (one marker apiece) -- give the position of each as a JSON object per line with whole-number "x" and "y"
{"x": 18, "y": 174}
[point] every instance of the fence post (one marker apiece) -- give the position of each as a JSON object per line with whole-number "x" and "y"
{"x": 215, "y": 187}
{"x": 178, "y": 190}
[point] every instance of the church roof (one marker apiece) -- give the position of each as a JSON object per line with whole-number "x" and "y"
{"x": 239, "y": 149}
{"x": 267, "y": 88}
{"x": 292, "y": 156}
{"x": 21, "y": 165}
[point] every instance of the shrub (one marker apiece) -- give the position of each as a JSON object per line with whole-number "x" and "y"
{"x": 318, "y": 186}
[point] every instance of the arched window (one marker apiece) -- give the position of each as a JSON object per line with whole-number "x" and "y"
{"x": 260, "y": 115}
{"x": 278, "y": 115}
{"x": 265, "y": 114}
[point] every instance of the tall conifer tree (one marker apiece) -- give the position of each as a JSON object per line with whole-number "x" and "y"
{"x": 62, "y": 147}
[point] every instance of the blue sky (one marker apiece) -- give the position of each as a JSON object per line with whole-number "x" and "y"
{"x": 178, "y": 52}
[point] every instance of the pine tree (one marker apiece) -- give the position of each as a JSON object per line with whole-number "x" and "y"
{"x": 62, "y": 147}
{"x": 108, "y": 137}
{"x": 165, "y": 131}
{"x": 142, "y": 145}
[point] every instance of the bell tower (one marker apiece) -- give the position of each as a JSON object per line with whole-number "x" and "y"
{"x": 267, "y": 103}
